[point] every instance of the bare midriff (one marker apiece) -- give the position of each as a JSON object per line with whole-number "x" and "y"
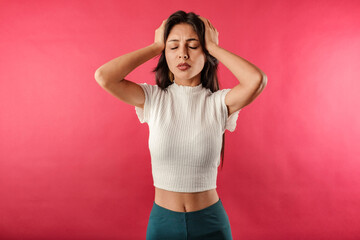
{"x": 185, "y": 202}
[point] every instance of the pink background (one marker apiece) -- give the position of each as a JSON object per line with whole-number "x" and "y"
{"x": 74, "y": 160}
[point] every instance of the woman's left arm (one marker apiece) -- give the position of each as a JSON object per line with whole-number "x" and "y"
{"x": 252, "y": 80}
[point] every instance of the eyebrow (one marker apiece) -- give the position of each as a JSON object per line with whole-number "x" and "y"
{"x": 188, "y": 40}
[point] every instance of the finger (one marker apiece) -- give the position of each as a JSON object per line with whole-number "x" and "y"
{"x": 204, "y": 20}
{"x": 210, "y": 25}
{"x": 207, "y": 23}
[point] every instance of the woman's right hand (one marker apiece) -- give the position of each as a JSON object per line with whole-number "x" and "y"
{"x": 159, "y": 35}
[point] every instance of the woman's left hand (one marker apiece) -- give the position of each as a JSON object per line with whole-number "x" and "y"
{"x": 211, "y": 34}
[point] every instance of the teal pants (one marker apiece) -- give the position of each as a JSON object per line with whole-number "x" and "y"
{"x": 211, "y": 223}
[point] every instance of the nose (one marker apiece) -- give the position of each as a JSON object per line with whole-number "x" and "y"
{"x": 183, "y": 52}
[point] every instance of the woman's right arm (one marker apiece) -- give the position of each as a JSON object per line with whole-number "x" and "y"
{"x": 110, "y": 76}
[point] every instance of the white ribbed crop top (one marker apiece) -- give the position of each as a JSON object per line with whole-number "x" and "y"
{"x": 186, "y": 125}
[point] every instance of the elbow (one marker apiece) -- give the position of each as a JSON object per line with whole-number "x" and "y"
{"x": 263, "y": 82}
{"x": 263, "y": 79}
{"x": 102, "y": 78}
{"x": 98, "y": 76}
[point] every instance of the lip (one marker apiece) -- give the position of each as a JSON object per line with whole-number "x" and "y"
{"x": 183, "y": 66}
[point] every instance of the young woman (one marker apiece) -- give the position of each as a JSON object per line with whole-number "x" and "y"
{"x": 187, "y": 116}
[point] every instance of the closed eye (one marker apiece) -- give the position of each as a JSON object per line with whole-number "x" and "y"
{"x": 189, "y": 47}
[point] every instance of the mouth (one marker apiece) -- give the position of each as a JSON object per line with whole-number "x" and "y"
{"x": 183, "y": 66}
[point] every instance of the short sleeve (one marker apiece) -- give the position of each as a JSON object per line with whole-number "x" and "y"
{"x": 144, "y": 113}
{"x": 229, "y": 122}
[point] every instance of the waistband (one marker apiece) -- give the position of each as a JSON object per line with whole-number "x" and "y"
{"x": 214, "y": 207}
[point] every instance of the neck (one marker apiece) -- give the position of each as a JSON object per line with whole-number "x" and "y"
{"x": 195, "y": 81}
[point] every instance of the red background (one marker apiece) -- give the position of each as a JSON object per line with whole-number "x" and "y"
{"x": 74, "y": 160}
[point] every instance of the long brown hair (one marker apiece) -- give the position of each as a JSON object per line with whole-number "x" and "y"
{"x": 209, "y": 77}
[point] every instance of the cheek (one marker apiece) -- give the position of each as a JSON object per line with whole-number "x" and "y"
{"x": 169, "y": 58}
{"x": 201, "y": 61}
{"x": 204, "y": 59}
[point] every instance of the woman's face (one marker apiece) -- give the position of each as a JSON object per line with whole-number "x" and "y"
{"x": 183, "y": 46}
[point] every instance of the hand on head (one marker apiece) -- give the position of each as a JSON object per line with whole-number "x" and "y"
{"x": 159, "y": 35}
{"x": 211, "y": 34}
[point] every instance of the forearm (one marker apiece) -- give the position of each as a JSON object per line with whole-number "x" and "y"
{"x": 118, "y": 68}
{"x": 246, "y": 72}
